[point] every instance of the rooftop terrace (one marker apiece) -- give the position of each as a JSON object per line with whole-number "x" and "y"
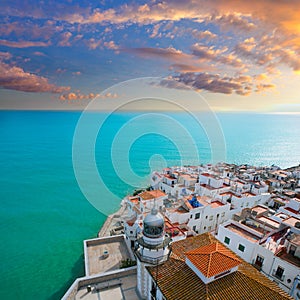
{"x": 244, "y": 233}
{"x": 105, "y": 254}
{"x": 116, "y": 285}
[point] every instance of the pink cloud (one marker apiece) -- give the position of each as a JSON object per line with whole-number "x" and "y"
{"x": 111, "y": 45}
{"x": 206, "y": 35}
{"x": 65, "y": 39}
{"x": 23, "y": 44}
{"x": 93, "y": 43}
{"x": 75, "y": 96}
{"x": 5, "y": 56}
{"x": 15, "y": 78}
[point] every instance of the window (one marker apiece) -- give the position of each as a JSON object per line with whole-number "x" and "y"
{"x": 259, "y": 261}
{"x": 227, "y": 240}
{"x": 241, "y": 247}
{"x": 279, "y": 273}
{"x": 204, "y": 227}
{"x": 194, "y": 228}
{"x": 153, "y": 290}
{"x": 131, "y": 232}
{"x": 197, "y": 216}
{"x": 247, "y": 204}
{"x": 191, "y": 216}
{"x": 211, "y": 218}
{"x": 292, "y": 250}
{"x": 206, "y": 217}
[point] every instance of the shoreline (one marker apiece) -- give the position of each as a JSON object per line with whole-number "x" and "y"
{"x": 109, "y": 225}
{"x": 111, "y": 221}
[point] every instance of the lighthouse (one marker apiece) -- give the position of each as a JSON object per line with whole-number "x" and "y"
{"x": 152, "y": 248}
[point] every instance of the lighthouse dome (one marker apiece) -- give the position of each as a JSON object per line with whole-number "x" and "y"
{"x": 154, "y": 224}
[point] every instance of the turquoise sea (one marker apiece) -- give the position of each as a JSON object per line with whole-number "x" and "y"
{"x": 44, "y": 214}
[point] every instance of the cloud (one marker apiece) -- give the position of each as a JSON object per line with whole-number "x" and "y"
{"x": 21, "y": 29}
{"x": 111, "y": 45}
{"x": 290, "y": 58}
{"x": 241, "y": 85}
{"x": 23, "y": 44}
{"x": 206, "y": 53}
{"x": 213, "y": 83}
{"x": 5, "y": 56}
{"x": 233, "y": 21}
{"x": 74, "y": 96}
{"x": 183, "y": 68}
{"x": 65, "y": 39}
{"x": 155, "y": 31}
{"x": 93, "y": 43}
{"x": 263, "y": 87}
{"x": 203, "y": 35}
{"x": 15, "y": 78}
{"x": 165, "y": 53}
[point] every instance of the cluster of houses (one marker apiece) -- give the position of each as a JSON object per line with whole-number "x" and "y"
{"x": 254, "y": 211}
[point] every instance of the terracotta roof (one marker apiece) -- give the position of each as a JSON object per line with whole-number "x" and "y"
{"x": 147, "y": 195}
{"x": 212, "y": 259}
{"x": 177, "y": 281}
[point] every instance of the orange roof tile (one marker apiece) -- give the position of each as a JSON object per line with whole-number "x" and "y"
{"x": 147, "y": 195}
{"x": 177, "y": 281}
{"x": 212, "y": 259}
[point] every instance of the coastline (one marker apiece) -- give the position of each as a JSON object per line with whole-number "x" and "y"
{"x": 111, "y": 222}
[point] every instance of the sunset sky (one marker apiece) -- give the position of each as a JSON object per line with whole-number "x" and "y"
{"x": 240, "y": 55}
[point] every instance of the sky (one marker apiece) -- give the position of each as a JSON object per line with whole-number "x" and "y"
{"x": 240, "y": 55}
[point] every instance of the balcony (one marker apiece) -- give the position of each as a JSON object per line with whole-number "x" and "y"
{"x": 151, "y": 260}
{"x": 164, "y": 244}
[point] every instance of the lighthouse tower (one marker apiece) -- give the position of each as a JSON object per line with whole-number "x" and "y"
{"x": 152, "y": 248}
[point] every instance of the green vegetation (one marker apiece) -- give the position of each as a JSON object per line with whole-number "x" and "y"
{"x": 127, "y": 263}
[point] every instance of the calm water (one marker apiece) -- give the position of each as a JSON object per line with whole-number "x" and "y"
{"x": 45, "y": 216}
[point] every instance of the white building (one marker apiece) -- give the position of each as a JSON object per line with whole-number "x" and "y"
{"x": 275, "y": 252}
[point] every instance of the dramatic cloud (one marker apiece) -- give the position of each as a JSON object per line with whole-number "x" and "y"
{"x": 15, "y": 78}
{"x": 241, "y": 85}
{"x": 228, "y": 14}
{"x": 229, "y": 47}
{"x": 214, "y": 83}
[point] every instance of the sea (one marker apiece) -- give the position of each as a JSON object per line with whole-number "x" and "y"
{"x": 62, "y": 173}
